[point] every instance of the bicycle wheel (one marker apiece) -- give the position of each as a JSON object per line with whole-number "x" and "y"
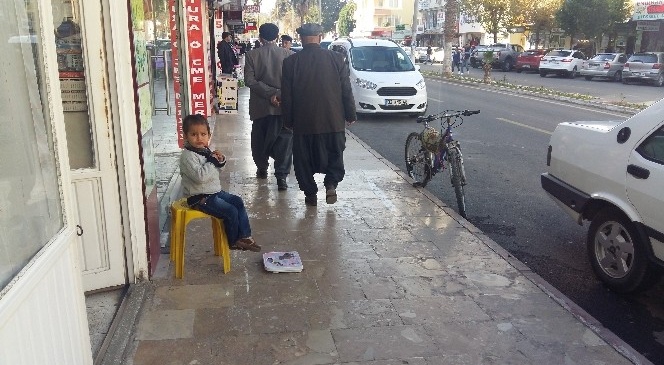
{"x": 418, "y": 160}
{"x": 458, "y": 176}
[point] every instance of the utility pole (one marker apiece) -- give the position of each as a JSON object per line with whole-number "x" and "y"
{"x": 413, "y": 30}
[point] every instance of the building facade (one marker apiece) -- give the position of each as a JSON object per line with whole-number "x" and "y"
{"x": 79, "y": 210}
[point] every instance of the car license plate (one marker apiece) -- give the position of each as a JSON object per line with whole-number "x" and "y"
{"x": 526, "y": 66}
{"x": 395, "y": 102}
{"x": 636, "y": 74}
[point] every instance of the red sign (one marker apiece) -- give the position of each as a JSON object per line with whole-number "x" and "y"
{"x": 250, "y": 26}
{"x": 198, "y": 90}
{"x": 175, "y": 63}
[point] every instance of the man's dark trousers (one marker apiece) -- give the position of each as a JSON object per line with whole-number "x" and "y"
{"x": 318, "y": 153}
{"x": 270, "y": 139}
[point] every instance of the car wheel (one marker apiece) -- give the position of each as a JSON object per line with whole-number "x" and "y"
{"x": 617, "y": 77}
{"x": 519, "y": 70}
{"x": 588, "y": 78}
{"x": 506, "y": 65}
{"x": 618, "y": 254}
{"x": 542, "y": 73}
{"x": 660, "y": 80}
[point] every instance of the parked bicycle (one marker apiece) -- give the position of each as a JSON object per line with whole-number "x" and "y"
{"x": 427, "y": 152}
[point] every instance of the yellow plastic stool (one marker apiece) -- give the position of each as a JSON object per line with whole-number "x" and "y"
{"x": 181, "y": 215}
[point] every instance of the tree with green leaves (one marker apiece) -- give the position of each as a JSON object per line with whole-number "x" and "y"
{"x": 542, "y": 17}
{"x": 496, "y": 15}
{"x": 346, "y": 22}
{"x": 330, "y": 13}
{"x": 592, "y": 18}
{"x": 569, "y": 17}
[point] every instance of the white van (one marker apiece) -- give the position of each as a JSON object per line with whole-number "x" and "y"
{"x": 383, "y": 77}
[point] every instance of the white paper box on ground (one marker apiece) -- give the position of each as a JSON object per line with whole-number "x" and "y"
{"x": 282, "y": 261}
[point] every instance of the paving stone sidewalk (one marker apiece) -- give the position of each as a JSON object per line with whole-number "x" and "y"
{"x": 391, "y": 276}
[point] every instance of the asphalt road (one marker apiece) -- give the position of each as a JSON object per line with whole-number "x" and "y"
{"x": 504, "y": 154}
{"x": 604, "y": 90}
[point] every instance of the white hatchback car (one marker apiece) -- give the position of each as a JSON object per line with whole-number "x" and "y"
{"x": 383, "y": 78}
{"x": 562, "y": 62}
{"x": 612, "y": 174}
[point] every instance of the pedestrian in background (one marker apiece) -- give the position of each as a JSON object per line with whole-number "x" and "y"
{"x": 317, "y": 102}
{"x": 227, "y": 56}
{"x": 262, "y": 74}
{"x": 466, "y": 58}
{"x": 429, "y": 53}
{"x": 456, "y": 60}
{"x": 286, "y": 41}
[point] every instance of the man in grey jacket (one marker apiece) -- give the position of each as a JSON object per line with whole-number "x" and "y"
{"x": 262, "y": 74}
{"x": 316, "y": 100}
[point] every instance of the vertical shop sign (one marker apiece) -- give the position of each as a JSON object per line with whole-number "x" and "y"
{"x": 175, "y": 64}
{"x": 198, "y": 91}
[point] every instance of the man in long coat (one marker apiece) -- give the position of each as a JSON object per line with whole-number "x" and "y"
{"x": 317, "y": 102}
{"x": 262, "y": 74}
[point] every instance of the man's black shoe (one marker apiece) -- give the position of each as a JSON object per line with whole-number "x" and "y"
{"x": 310, "y": 200}
{"x": 281, "y": 184}
{"x": 330, "y": 195}
{"x": 261, "y": 174}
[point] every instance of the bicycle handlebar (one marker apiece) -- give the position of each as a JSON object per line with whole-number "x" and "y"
{"x": 447, "y": 114}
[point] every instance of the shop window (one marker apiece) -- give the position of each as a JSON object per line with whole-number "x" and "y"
{"x": 30, "y": 194}
{"x": 71, "y": 69}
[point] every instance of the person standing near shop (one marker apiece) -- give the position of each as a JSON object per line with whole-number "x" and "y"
{"x": 316, "y": 100}
{"x": 262, "y": 74}
{"x": 227, "y": 56}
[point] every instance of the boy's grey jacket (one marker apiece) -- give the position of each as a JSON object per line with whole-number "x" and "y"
{"x": 262, "y": 74}
{"x": 198, "y": 175}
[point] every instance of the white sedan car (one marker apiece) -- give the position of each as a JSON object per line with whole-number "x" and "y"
{"x": 611, "y": 173}
{"x": 562, "y": 62}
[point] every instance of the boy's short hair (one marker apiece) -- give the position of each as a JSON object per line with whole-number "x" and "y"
{"x": 286, "y": 38}
{"x": 194, "y": 119}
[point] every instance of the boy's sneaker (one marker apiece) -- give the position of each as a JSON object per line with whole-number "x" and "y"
{"x": 311, "y": 200}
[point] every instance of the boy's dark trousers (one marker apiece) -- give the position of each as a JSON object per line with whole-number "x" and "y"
{"x": 270, "y": 139}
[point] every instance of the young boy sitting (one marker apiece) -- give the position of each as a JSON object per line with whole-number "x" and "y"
{"x": 202, "y": 186}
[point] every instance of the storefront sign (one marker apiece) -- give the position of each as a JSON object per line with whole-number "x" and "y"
{"x": 647, "y": 26}
{"x": 648, "y": 10}
{"x": 198, "y": 88}
{"x": 175, "y": 63}
{"x": 252, "y": 9}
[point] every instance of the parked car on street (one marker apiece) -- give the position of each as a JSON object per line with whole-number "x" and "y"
{"x": 605, "y": 65}
{"x": 562, "y": 62}
{"x": 611, "y": 173}
{"x": 438, "y": 54}
{"x": 504, "y": 55}
{"x": 420, "y": 54}
{"x": 645, "y": 67}
{"x": 529, "y": 60}
{"x": 476, "y": 55}
{"x": 383, "y": 78}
